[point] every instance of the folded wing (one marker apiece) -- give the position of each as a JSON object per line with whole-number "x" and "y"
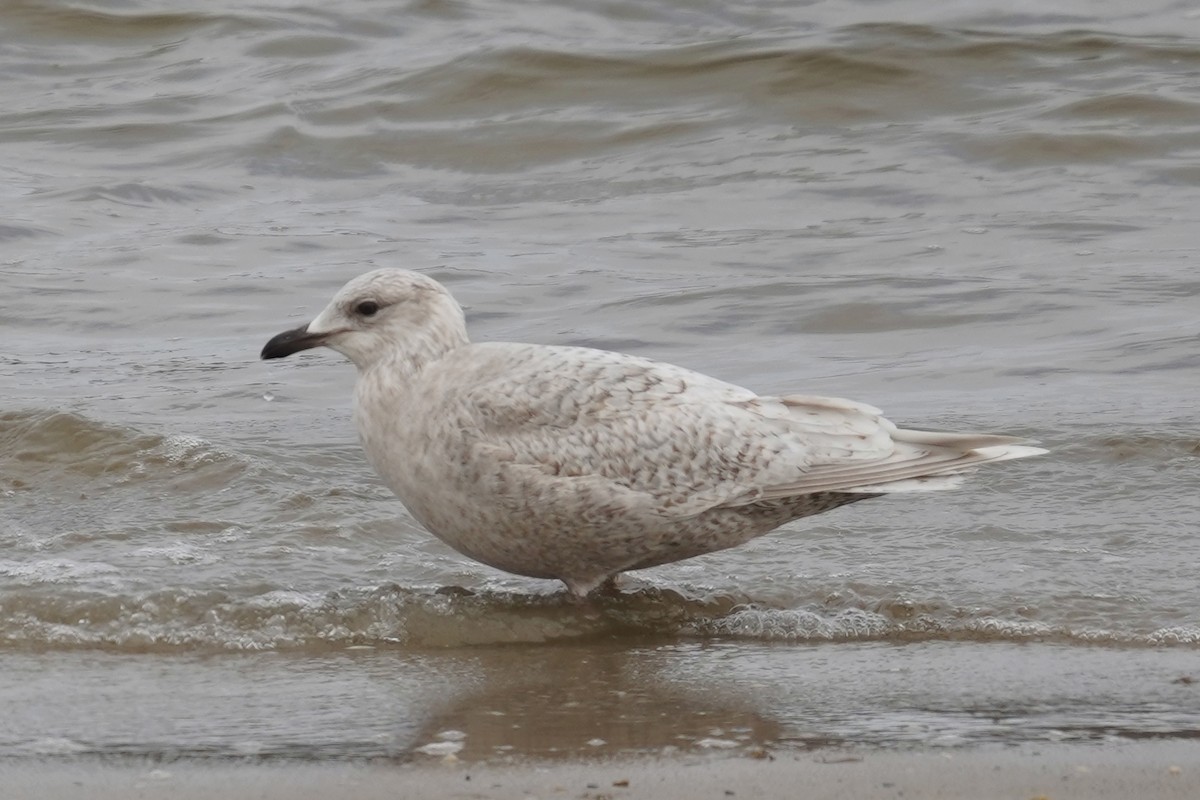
{"x": 690, "y": 443}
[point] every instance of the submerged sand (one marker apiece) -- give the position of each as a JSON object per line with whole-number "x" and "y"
{"x": 1158, "y": 769}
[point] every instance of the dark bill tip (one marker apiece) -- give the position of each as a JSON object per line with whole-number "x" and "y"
{"x": 292, "y": 341}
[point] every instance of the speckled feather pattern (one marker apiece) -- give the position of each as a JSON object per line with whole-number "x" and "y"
{"x": 578, "y": 464}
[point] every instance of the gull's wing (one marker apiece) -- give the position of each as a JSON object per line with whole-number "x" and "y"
{"x": 687, "y": 442}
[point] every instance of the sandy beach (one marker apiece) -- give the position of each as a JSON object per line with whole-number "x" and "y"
{"x": 1163, "y": 770}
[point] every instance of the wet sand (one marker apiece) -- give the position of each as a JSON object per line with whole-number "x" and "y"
{"x": 1163, "y": 770}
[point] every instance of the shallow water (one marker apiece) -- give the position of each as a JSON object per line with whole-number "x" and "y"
{"x": 980, "y": 219}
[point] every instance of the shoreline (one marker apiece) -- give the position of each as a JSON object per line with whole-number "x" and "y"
{"x": 1163, "y": 769}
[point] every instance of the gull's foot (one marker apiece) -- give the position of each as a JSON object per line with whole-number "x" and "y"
{"x": 584, "y": 591}
{"x": 609, "y": 588}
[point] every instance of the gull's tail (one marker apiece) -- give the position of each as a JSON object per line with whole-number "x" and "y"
{"x": 877, "y": 457}
{"x": 950, "y": 458}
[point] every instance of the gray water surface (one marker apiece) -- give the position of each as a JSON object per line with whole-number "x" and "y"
{"x": 978, "y": 218}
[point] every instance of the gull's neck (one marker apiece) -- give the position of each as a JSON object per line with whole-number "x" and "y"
{"x": 386, "y": 385}
{"x": 406, "y": 359}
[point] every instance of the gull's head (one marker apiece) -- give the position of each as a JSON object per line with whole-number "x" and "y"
{"x": 379, "y": 316}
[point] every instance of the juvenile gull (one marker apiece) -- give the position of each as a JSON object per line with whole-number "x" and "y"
{"x": 579, "y": 464}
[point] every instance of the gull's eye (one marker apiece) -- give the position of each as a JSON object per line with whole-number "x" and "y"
{"x": 366, "y": 308}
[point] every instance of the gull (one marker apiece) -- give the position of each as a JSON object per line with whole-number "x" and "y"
{"x": 578, "y": 464}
